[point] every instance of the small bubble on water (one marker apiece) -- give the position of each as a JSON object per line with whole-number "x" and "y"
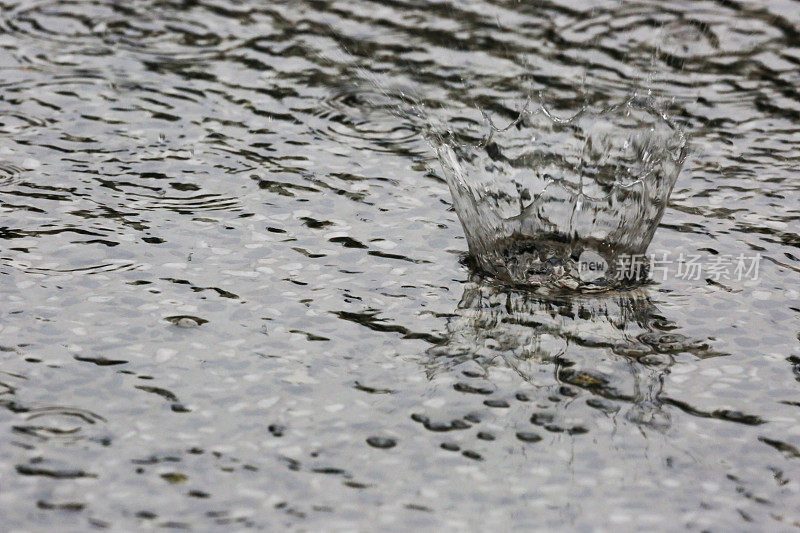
{"x": 174, "y": 478}
{"x": 528, "y": 436}
{"x": 186, "y": 321}
{"x": 472, "y": 455}
{"x": 381, "y": 442}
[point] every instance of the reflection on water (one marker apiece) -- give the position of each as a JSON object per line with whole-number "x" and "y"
{"x": 616, "y": 347}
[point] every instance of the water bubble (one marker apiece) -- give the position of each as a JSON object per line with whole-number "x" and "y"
{"x": 186, "y": 321}
{"x": 381, "y": 442}
{"x": 470, "y": 454}
{"x": 528, "y": 436}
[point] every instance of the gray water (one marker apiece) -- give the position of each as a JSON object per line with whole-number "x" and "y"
{"x": 235, "y": 294}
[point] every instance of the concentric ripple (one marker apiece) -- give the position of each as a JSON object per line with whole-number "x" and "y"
{"x": 366, "y": 119}
{"x": 57, "y": 270}
{"x": 14, "y": 123}
{"x": 103, "y": 26}
{"x": 9, "y": 173}
{"x": 57, "y": 422}
{"x": 186, "y": 204}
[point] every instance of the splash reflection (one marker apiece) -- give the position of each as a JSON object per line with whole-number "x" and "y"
{"x": 614, "y": 349}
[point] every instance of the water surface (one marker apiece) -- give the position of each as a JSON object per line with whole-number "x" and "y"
{"x": 234, "y": 293}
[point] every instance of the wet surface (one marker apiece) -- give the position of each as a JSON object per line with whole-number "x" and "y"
{"x": 234, "y": 295}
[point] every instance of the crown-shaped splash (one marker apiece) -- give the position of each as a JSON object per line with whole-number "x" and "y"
{"x": 565, "y": 201}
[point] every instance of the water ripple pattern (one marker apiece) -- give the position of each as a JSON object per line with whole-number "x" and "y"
{"x": 236, "y": 295}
